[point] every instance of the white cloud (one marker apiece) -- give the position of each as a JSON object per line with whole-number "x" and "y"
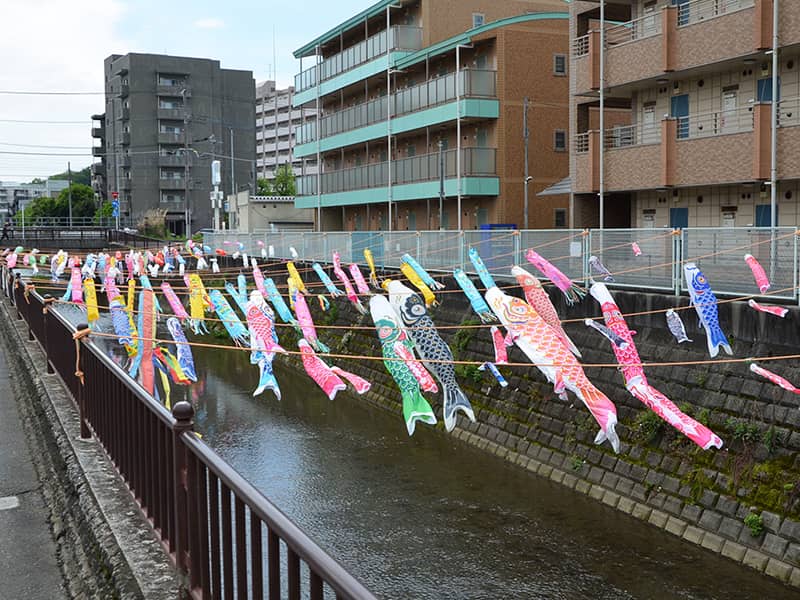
{"x": 53, "y": 46}
{"x": 209, "y": 23}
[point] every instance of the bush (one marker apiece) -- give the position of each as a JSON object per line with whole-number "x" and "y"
{"x": 755, "y": 524}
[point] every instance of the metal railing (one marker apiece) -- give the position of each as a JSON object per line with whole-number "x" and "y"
{"x": 697, "y": 11}
{"x": 636, "y": 134}
{"x": 474, "y": 83}
{"x": 581, "y": 142}
{"x": 222, "y": 533}
{"x": 401, "y": 37}
{"x": 580, "y": 46}
{"x": 637, "y": 29}
{"x": 475, "y": 162}
{"x": 789, "y": 112}
{"x": 715, "y": 123}
{"x": 658, "y": 267}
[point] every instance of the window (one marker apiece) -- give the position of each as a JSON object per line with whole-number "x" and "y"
{"x": 477, "y": 19}
{"x": 560, "y": 140}
{"x": 560, "y": 64}
{"x": 560, "y": 217}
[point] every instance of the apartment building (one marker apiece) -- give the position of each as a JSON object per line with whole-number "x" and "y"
{"x": 420, "y": 106}
{"x": 688, "y": 127}
{"x": 16, "y": 196}
{"x": 276, "y": 120}
{"x": 166, "y": 119}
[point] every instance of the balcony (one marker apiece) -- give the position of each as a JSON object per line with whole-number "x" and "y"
{"x": 98, "y": 151}
{"x": 171, "y": 114}
{"x": 172, "y": 183}
{"x": 476, "y": 162}
{"x": 98, "y": 169}
{"x": 125, "y": 138}
{"x": 174, "y": 90}
{"x": 171, "y": 138}
{"x": 400, "y": 37}
{"x": 125, "y": 114}
{"x": 171, "y": 160}
{"x": 473, "y": 84}
{"x": 125, "y": 183}
{"x": 700, "y": 149}
{"x": 98, "y": 132}
{"x": 676, "y": 38}
{"x": 124, "y": 90}
{"x": 125, "y": 160}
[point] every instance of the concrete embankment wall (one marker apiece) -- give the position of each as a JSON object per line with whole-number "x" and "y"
{"x": 659, "y": 476}
{"x": 105, "y": 546}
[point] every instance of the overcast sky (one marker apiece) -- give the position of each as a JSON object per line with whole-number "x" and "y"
{"x": 60, "y": 45}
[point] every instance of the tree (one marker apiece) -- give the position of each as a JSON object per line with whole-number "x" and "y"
{"x": 104, "y": 213}
{"x": 84, "y": 176}
{"x": 83, "y": 205}
{"x": 284, "y": 184}
{"x": 264, "y": 187}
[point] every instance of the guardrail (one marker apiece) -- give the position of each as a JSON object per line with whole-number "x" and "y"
{"x": 719, "y": 252}
{"x": 219, "y": 530}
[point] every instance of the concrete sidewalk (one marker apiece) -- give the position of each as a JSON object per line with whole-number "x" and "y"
{"x": 28, "y": 566}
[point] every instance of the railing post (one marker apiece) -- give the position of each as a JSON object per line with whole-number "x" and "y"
{"x": 586, "y": 246}
{"x": 461, "y": 249}
{"x": 17, "y": 282}
{"x": 419, "y": 246}
{"x": 795, "y": 267}
{"x": 677, "y": 267}
{"x": 184, "y": 421}
{"x": 29, "y": 287}
{"x": 82, "y": 331}
{"x": 48, "y": 301}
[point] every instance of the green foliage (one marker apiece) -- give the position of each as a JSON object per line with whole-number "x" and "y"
{"x": 771, "y": 439}
{"x": 576, "y": 462}
{"x": 282, "y": 185}
{"x": 82, "y": 177}
{"x": 647, "y": 426}
{"x": 463, "y": 337}
{"x": 742, "y": 431}
{"x": 698, "y": 482}
{"x": 103, "y": 213}
{"x": 755, "y": 524}
{"x": 469, "y": 372}
{"x": 83, "y": 205}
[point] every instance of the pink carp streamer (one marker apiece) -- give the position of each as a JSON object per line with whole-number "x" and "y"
{"x": 540, "y": 301}
{"x": 636, "y": 250}
{"x": 348, "y": 287}
{"x": 420, "y": 373}
{"x": 636, "y": 381}
{"x": 174, "y": 302}
{"x": 76, "y": 285}
{"x": 544, "y": 348}
{"x": 307, "y": 323}
{"x": 778, "y": 311}
{"x": 571, "y": 292}
{"x": 758, "y": 273}
{"x": 774, "y": 378}
{"x": 499, "y": 341}
{"x": 258, "y": 277}
{"x": 328, "y": 381}
{"x": 358, "y": 277}
{"x": 148, "y": 334}
{"x": 360, "y": 385}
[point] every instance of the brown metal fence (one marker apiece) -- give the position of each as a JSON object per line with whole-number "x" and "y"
{"x": 223, "y": 534}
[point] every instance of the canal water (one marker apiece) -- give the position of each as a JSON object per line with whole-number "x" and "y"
{"x": 430, "y": 517}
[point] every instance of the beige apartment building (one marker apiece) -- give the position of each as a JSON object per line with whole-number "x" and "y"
{"x": 688, "y": 120}
{"x": 425, "y": 98}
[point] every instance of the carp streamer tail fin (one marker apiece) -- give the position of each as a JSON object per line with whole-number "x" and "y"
{"x": 716, "y": 340}
{"x": 455, "y": 400}
{"x": 416, "y": 408}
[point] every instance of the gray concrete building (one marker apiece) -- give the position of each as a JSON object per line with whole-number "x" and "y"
{"x": 16, "y": 196}
{"x": 166, "y": 119}
{"x": 276, "y": 121}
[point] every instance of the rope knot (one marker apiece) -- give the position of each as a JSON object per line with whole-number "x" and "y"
{"x": 78, "y": 336}
{"x": 46, "y": 305}
{"x": 28, "y": 289}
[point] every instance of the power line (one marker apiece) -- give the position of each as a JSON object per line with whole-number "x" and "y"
{"x": 32, "y": 121}
{"x": 45, "y": 146}
{"x": 35, "y": 93}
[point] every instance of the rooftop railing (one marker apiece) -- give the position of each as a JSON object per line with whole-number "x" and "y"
{"x": 401, "y": 37}
{"x": 698, "y": 11}
{"x": 580, "y": 46}
{"x": 637, "y": 134}
{"x": 637, "y": 29}
{"x": 709, "y": 124}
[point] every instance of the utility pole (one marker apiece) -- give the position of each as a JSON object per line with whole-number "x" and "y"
{"x": 441, "y": 182}
{"x": 233, "y": 184}
{"x": 187, "y": 217}
{"x": 69, "y": 196}
{"x": 525, "y": 138}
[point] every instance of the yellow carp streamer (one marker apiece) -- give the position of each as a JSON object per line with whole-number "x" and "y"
{"x": 197, "y": 303}
{"x": 292, "y": 290}
{"x": 373, "y": 277}
{"x": 411, "y": 275}
{"x": 130, "y": 309}
{"x": 294, "y": 277}
{"x": 90, "y": 297}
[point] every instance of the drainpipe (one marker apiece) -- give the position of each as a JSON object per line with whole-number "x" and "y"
{"x": 602, "y": 110}
{"x": 389, "y": 112}
{"x": 773, "y": 176}
{"x": 317, "y": 129}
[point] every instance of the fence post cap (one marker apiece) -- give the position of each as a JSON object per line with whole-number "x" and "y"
{"x": 184, "y": 413}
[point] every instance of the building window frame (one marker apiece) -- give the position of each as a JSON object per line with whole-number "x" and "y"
{"x": 559, "y": 218}
{"x": 559, "y": 140}
{"x": 478, "y": 19}
{"x": 560, "y": 65}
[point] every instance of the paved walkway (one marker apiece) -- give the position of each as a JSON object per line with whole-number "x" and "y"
{"x": 28, "y": 567}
